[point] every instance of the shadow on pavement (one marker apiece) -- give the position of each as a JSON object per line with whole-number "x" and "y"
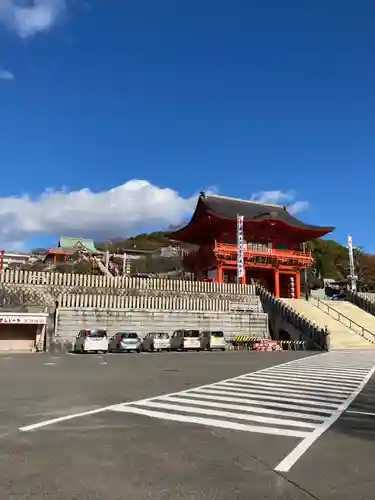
{"x": 360, "y": 425}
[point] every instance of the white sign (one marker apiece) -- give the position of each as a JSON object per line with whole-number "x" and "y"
{"x": 22, "y": 320}
{"x": 352, "y": 276}
{"x": 240, "y": 248}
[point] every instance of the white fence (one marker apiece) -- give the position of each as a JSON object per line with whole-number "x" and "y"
{"x": 166, "y": 303}
{"x": 367, "y": 295}
{"x": 123, "y": 282}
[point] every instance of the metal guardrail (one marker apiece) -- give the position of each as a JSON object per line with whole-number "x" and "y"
{"x": 339, "y": 317}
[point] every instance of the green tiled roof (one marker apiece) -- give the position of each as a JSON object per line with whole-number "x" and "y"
{"x": 71, "y": 243}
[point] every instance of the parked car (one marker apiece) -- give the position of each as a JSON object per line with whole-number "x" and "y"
{"x": 213, "y": 340}
{"x": 155, "y": 341}
{"x": 186, "y": 340}
{"x": 125, "y": 342}
{"x": 91, "y": 341}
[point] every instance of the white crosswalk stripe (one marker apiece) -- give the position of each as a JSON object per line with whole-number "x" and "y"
{"x": 299, "y": 399}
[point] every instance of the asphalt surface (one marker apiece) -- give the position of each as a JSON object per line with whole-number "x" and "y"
{"x": 119, "y": 456}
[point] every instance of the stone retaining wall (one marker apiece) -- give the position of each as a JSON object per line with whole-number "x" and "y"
{"x": 47, "y": 288}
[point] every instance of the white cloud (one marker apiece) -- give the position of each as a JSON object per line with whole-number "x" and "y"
{"x": 28, "y": 17}
{"x": 6, "y": 75}
{"x": 127, "y": 209}
{"x": 278, "y": 197}
{"x": 298, "y": 206}
{"x": 133, "y": 207}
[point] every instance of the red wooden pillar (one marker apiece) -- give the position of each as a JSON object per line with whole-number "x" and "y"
{"x": 54, "y": 258}
{"x": 277, "y": 283}
{"x": 220, "y": 273}
{"x": 298, "y": 285}
{"x": 243, "y": 279}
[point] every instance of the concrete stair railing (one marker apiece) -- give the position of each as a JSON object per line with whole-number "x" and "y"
{"x": 312, "y": 332}
{"x": 341, "y": 336}
{"x": 365, "y": 301}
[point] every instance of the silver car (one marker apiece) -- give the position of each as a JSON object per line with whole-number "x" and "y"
{"x": 125, "y": 342}
{"x": 156, "y": 341}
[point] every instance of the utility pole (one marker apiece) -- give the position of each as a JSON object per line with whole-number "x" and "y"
{"x": 352, "y": 276}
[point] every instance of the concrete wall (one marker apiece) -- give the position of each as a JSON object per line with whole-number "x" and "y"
{"x": 280, "y": 325}
{"x": 70, "y": 320}
{"x": 139, "y": 304}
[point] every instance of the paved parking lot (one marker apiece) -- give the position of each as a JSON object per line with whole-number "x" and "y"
{"x": 164, "y": 436}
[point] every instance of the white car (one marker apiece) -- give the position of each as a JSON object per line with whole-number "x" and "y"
{"x": 91, "y": 341}
{"x": 156, "y": 341}
{"x": 211, "y": 340}
{"x": 186, "y": 340}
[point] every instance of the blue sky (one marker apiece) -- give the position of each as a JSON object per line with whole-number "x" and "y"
{"x": 243, "y": 97}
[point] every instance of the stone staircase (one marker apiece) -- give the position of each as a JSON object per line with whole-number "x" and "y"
{"x": 355, "y": 317}
{"x": 340, "y": 328}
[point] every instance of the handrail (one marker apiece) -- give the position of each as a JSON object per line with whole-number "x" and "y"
{"x": 351, "y": 322}
{"x": 309, "y": 330}
{"x": 272, "y": 252}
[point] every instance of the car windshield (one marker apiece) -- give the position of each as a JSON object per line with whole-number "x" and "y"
{"x": 161, "y": 335}
{"x": 129, "y": 335}
{"x": 191, "y": 333}
{"x": 94, "y": 334}
{"x": 217, "y": 334}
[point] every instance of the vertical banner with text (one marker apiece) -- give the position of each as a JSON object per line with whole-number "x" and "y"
{"x": 240, "y": 248}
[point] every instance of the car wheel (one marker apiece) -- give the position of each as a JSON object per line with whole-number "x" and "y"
{"x": 223, "y": 349}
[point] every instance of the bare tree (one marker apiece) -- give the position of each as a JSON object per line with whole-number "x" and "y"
{"x": 13, "y": 299}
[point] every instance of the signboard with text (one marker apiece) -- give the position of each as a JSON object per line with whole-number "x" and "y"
{"x": 22, "y": 320}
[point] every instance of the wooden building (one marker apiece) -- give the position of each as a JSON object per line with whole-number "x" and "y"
{"x": 274, "y": 240}
{"x": 66, "y": 247}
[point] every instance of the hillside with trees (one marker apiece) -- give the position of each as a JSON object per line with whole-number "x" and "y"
{"x": 331, "y": 260}
{"x": 143, "y": 241}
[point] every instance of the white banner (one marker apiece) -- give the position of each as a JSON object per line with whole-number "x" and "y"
{"x": 240, "y": 248}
